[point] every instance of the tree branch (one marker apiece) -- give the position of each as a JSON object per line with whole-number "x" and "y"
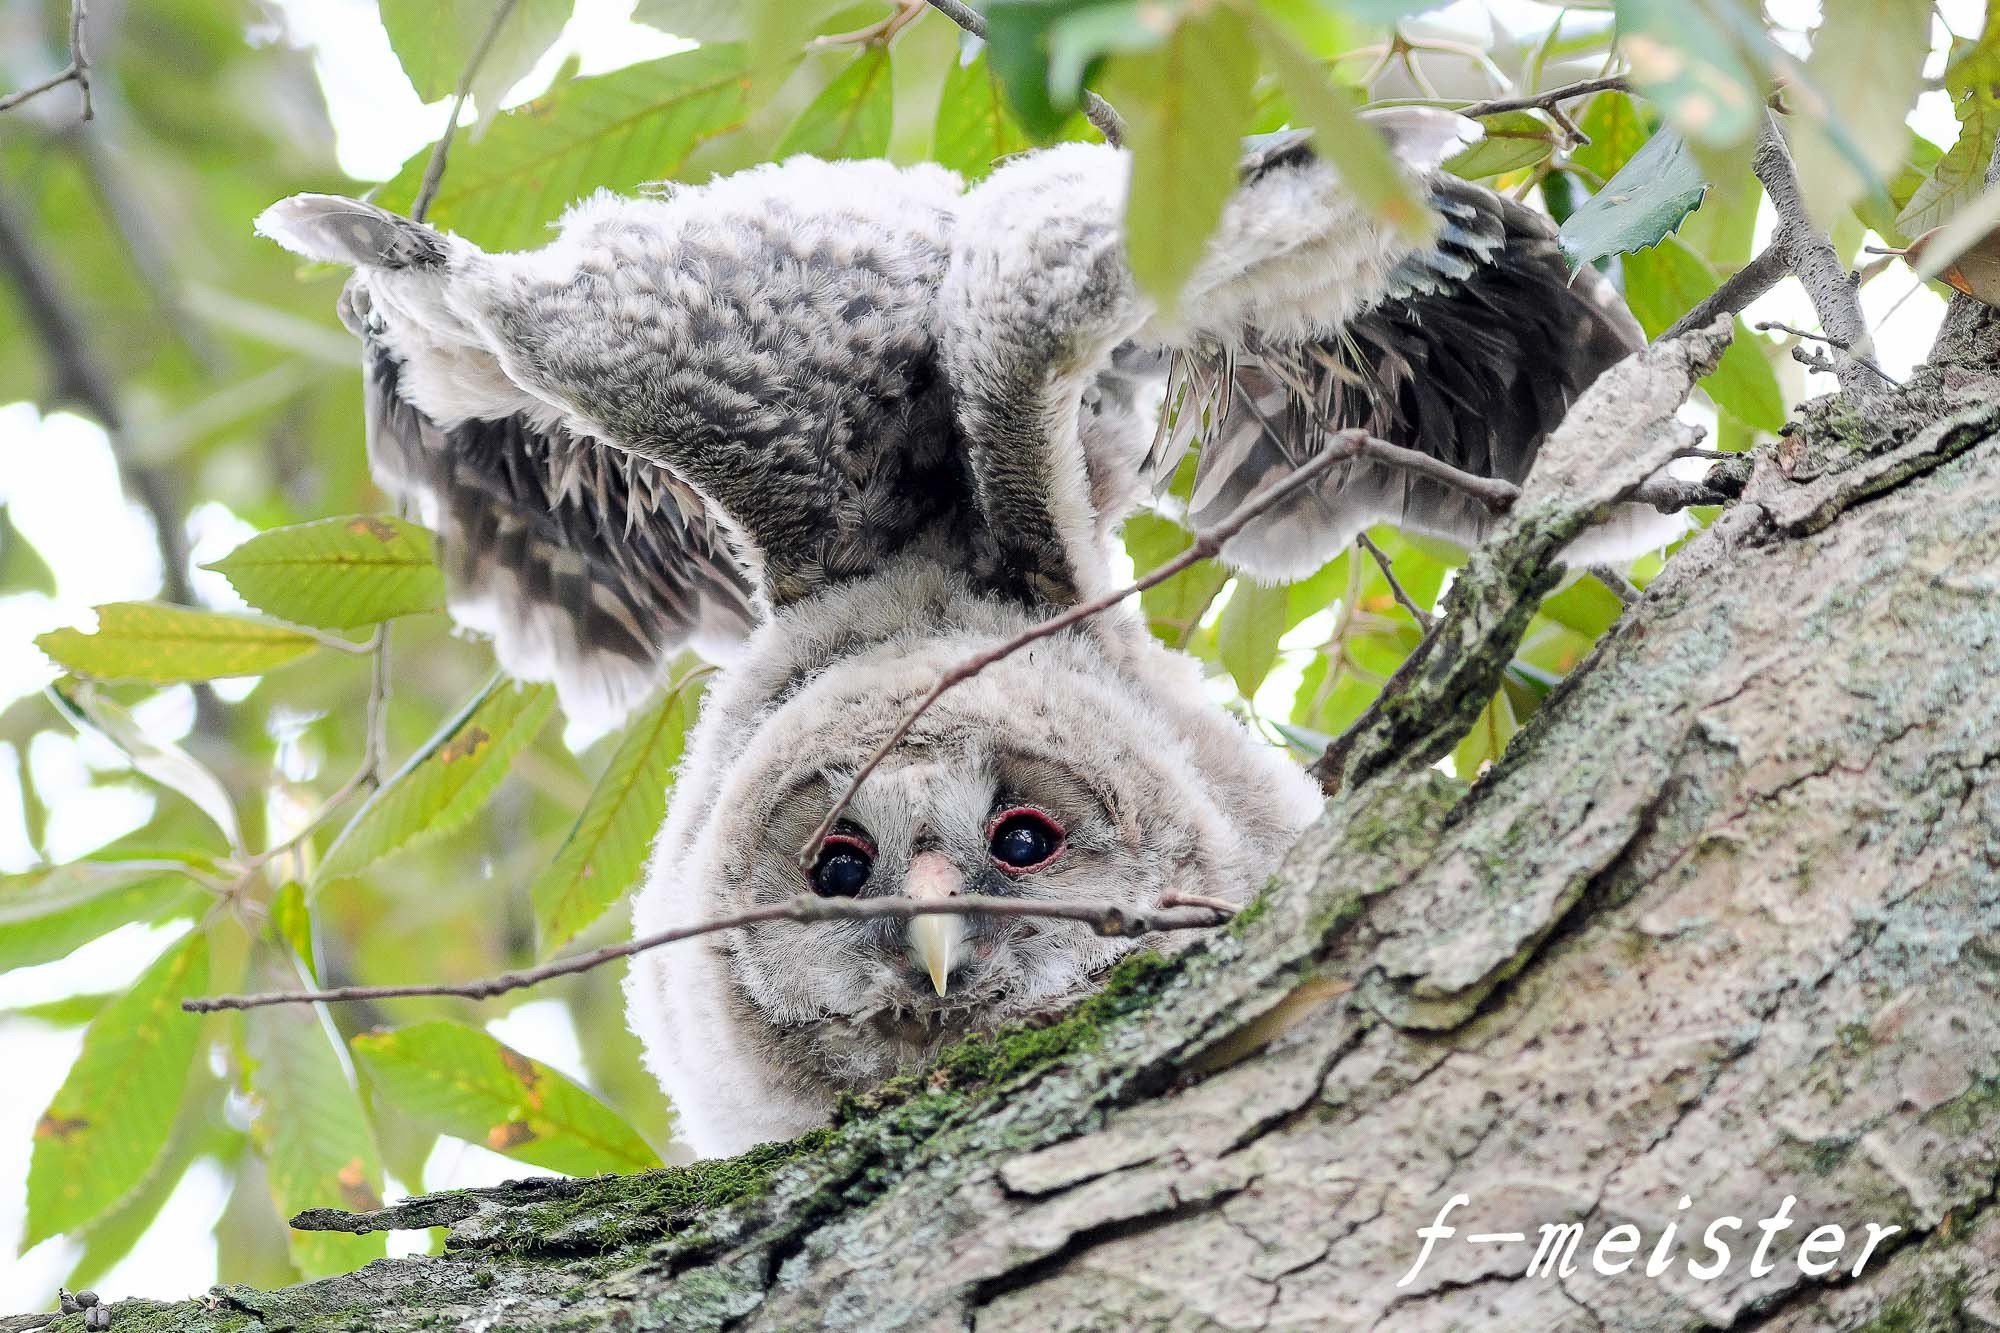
{"x": 1811, "y": 256}
{"x": 1095, "y": 109}
{"x": 1107, "y": 920}
{"x": 1545, "y": 101}
{"x": 441, "y": 151}
{"x": 1737, "y": 291}
{"x": 1423, "y": 618}
{"x": 77, "y": 71}
{"x": 1495, "y": 494}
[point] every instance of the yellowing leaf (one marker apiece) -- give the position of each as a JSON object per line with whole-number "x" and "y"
{"x": 163, "y": 645}
{"x": 605, "y": 852}
{"x": 336, "y": 573}
{"x": 108, "y": 1122}
{"x": 444, "y": 783}
{"x": 462, "y": 1082}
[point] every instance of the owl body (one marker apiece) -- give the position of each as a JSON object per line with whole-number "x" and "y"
{"x": 842, "y": 425}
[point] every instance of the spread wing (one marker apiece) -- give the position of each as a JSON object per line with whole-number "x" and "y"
{"x": 1472, "y": 355}
{"x": 588, "y": 566}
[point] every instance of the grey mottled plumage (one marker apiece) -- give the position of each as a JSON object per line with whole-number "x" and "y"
{"x": 842, "y": 424}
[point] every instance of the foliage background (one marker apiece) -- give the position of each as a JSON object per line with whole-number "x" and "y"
{"x": 174, "y": 825}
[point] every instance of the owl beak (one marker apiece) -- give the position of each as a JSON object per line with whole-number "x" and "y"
{"x": 935, "y": 940}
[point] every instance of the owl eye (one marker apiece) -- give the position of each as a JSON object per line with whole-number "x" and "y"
{"x": 843, "y": 866}
{"x": 1024, "y": 839}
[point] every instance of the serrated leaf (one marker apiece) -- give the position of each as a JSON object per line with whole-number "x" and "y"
{"x": 167, "y": 645}
{"x": 852, "y": 115}
{"x": 1186, "y": 106}
{"x": 469, "y": 1085}
{"x": 1253, "y": 620}
{"x": 1513, "y": 139}
{"x": 336, "y": 573}
{"x": 47, "y": 912}
{"x": 99, "y": 1135}
{"x": 444, "y": 783}
{"x": 435, "y": 40}
{"x": 164, "y": 762}
{"x": 1960, "y": 175}
{"x": 613, "y": 131}
{"x": 1638, "y": 207}
{"x": 309, "y": 1126}
{"x": 1343, "y": 137}
{"x": 1689, "y": 57}
{"x": 1664, "y": 283}
{"x": 974, "y": 127}
{"x": 605, "y": 853}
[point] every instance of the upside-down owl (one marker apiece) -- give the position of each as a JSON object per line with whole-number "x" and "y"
{"x": 839, "y": 425}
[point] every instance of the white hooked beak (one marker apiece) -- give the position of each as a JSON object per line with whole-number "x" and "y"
{"x": 935, "y": 940}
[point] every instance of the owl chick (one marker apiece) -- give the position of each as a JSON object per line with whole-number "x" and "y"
{"x": 839, "y": 425}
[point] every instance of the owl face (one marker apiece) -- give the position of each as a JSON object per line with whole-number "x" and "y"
{"x": 1040, "y": 783}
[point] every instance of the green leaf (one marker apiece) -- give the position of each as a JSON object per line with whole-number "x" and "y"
{"x": 1253, "y": 620}
{"x": 1688, "y": 57}
{"x": 89, "y": 709}
{"x": 1186, "y": 106}
{"x": 1879, "y": 210}
{"x": 1514, "y": 139}
{"x": 1664, "y": 283}
{"x": 22, "y": 568}
{"x": 198, "y": 1130}
{"x": 336, "y": 573}
{"x": 70, "y": 1011}
{"x": 1044, "y": 51}
{"x": 98, "y": 1137}
{"x": 1970, "y": 76}
{"x": 47, "y": 912}
{"x": 974, "y": 127}
{"x": 1848, "y": 134}
{"x": 852, "y": 115}
{"x": 1488, "y": 737}
{"x": 1638, "y": 207}
{"x": 468, "y": 1085}
{"x": 1174, "y": 608}
{"x": 1616, "y": 133}
{"x": 165, "y": 645}
{"x": 605, "y": 852}
{"x": 1343, "y": 137}
{"x": 309, "y": 1127}
{"x": 614, "y": 132}
{"x": 291, "y": 921}
{"x": 435, "y": 41}
{"x": 444, "y": 783}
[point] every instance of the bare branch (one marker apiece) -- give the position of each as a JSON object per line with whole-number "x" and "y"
{"x": 1811, "y": 256}
{"x": 1343, "y": 446}
{"x": 1423, "y": 618}
{"x": 441, "y": 152}
{"x": 1620, "y": 587}
{"x": 1847, "y": 353}
{"x": 1095, "y": 109}
{"x": 1737, "y": 291}
{"x": 1547, "y": 101}
{"x": 1105, "y": 919}
{"x": 77, "y": 71}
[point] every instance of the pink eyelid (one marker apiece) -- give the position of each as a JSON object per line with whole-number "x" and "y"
{"x": 849, "y": 841}
{"x": 1062, "y": 835}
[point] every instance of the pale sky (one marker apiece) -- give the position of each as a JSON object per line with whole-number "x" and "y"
{"x": 61, "y": 487}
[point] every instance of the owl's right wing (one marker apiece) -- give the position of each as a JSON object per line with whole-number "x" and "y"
{"x": 587, "y": 565}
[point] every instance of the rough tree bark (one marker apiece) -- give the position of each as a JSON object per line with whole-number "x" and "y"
{"x": 1723, "y": 923}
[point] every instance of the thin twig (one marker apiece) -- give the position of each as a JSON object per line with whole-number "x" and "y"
{"x": 1343, "y": 446}
{"x": 441, "y": 152}
{"x": 875, "y": 34}
{"x": 1105, "y": 919}
{"x": 1772, "y": 325}
{"x": 77, "y": 71}
{"x": 1219, "y": 905}
{"x": 1546, "y": 101}
{"x": 1737, "y": 291}
{"x": 1621, "y": 587}
{"x": 1095, "y": 109}
{"x": 1423, "y": 618}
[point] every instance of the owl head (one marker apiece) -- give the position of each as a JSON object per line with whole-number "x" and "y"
{"x": 1064, "y": 773}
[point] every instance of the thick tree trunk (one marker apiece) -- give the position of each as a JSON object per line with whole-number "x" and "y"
{"x": 1723, "y": 926}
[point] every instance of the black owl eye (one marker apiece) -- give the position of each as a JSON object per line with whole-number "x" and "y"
{"x": 1024, "y": 839}
{"x": 843, "y": 866}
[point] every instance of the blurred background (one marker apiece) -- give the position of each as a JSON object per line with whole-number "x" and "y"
{"x": 170, "y": 387}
